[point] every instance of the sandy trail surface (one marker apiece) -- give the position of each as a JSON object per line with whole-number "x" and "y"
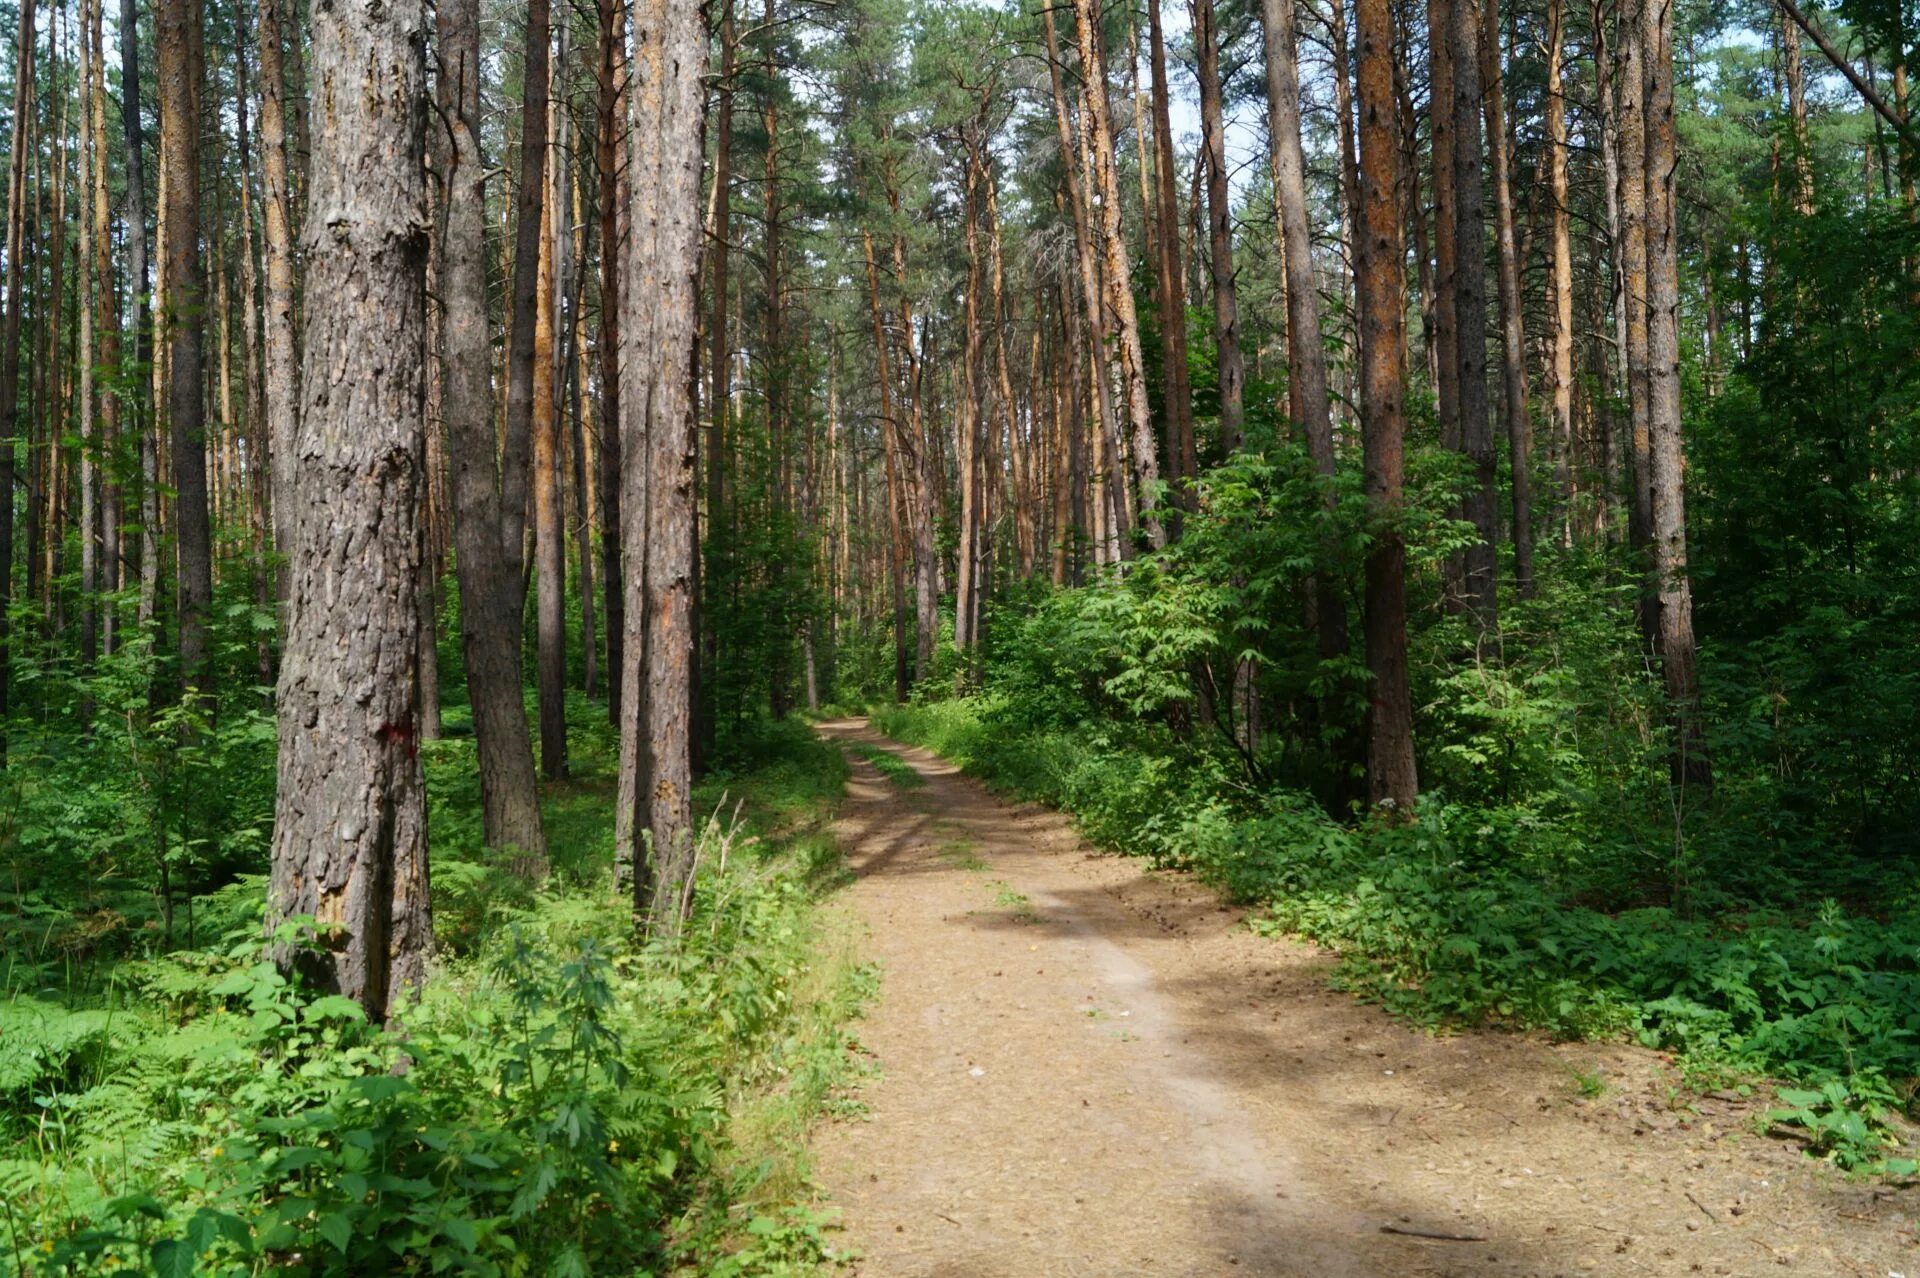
{"x": 1088, "y": 1067}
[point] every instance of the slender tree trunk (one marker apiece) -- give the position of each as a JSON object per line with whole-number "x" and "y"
{"x": 16, "y": 240}
{"x": 179, "y": 92}
{"x": 657, "y": 426}
{"x": 1560, "y": 334}
{"x": 88, "y": 356}
{"x": 1390, "y": 765}
{"x": 1470, "y": 316}
{"x": 549, "y": 533}
{"x": 1308, "y": 399}
{"x": 489, "y": 580}
{"x": 1632, "y": 148}
{"x": 1668, "y": 478}
{"x": 1176, "y": 389}
{"x": 260, "y": 532}
{"x": 524, "y": 322}
{"x": 609, "y": 147}
{"x": 896, "y": 489}
{"x": 1513, "y": 361}
{"x": 350, "y": 822}
{"x": 282, "y": 377}
{"x": 1226, "y": 307}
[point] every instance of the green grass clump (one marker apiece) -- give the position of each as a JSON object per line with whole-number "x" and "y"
{"x": 889, "y": 765}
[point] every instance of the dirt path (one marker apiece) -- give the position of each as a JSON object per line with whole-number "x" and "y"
{"x": 1087, "y": 1068}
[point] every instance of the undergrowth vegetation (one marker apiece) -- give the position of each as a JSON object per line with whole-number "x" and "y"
{"x": 563, "y": 1099}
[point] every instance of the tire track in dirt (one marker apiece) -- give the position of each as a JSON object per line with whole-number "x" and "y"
{"x": 1087, "y": 1068}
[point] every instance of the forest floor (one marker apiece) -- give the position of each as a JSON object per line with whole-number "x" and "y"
{"x": 1089, "y": 1067}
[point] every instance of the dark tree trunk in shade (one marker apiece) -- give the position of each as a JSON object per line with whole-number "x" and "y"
{"x": 609, "y": 140}
{"x": 10, "y": 336}
{"x": 1226, "y": 306}
{"x": 489, "y": 580}
{"x": 177, "y": 46}
{"x": 349, "y": 845}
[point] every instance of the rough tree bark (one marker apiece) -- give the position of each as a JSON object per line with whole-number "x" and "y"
{"x": 489, "y": 580}
{"x": 1678, "y": 660}
{"x": 1108, "y": 540}
{"x": 1176, "y": 388}
{"x": 177, "y": 47}
{"x": 349, "y": 845}
{"x": 1470, "y": 315}
{"x": 1391, "y": 776}
{"x": 657, "y": 443}
{"x": 1104, "y": 193}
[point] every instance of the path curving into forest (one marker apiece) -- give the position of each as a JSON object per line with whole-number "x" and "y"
{"x": 1086, "y": 1067}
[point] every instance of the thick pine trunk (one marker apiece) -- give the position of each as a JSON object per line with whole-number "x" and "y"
{"x": 1390, "y": 765}
{"x": 349, "y": 846}
{"x": 658, "y": 446}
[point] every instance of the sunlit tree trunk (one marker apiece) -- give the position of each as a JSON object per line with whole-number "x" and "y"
{"x": 1560, "y": 329}
{"x": 657, "y": 446}
{"x": 1390, "y": 766}
{"x": 1117, "y": 276}
{"x": 549, "y": 532}
{"x": 1108, "y": 538}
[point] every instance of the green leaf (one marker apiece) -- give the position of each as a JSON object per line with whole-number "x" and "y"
{"x": 337, "y": 1229}
{"x": 171, "y": 1258}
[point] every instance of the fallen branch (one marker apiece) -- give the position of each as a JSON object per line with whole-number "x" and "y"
{"x": 1428, "y": 1233}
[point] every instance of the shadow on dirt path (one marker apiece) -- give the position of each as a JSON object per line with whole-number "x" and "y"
{"x": 1088, "y": 1068}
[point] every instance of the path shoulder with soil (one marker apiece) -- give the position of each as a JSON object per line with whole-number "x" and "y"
{"x": 1088, "y": 1067}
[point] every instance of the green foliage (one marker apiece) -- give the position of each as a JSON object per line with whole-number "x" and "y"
{"x": 560, "y": 1100}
